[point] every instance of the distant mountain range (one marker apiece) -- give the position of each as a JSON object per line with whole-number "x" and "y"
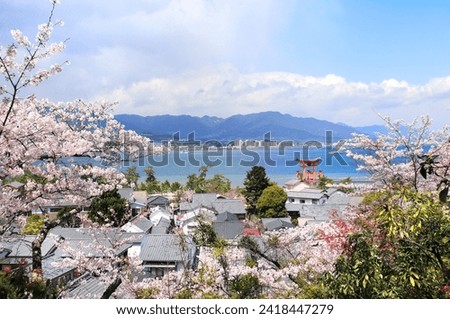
{"x": 250, "y": 126}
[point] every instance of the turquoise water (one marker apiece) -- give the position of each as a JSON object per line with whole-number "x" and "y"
{"x": 280, "y": 164}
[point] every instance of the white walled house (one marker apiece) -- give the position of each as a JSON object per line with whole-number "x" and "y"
{"x": 163, "y": 253}
{"x": 307, "y": 196}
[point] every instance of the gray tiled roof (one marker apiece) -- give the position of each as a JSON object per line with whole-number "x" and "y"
{"x": 85, "y": 233}
{"x": 276, "y": 223}
{"x": 21, "y": 246}
{"x": 139, "y": 197}
{"x": 157, "y": 200}
{"x": 355, "y": 200}
{"x": 51, "y": 271}
{"x": 204, "y": 199}
{"x": 158, "y": 211}
{"x": 308, "y": 193}
{"x": 125, "y": 193}
{"x": 162, "y": 227}
{"x": 234, "y": 206}
{"x": 186, "y": 206}
{"x": 142, "y": 223}
{"x": 86, "y": 287}
{"x": 229, "y": 230}
{"x": 226, "y": 217}
{"x": 92, "y": 242}
{"x": 165, "y": 248}
{"x": 293, "y": 207}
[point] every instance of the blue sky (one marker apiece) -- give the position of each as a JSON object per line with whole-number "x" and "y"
{"x": 340, "y": 60}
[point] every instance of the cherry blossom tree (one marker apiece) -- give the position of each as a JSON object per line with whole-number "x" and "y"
{"x": 398, "y": 246}
{"x": 406, "y": 155}
{"x": 101, "y": 253}
{"x": 61, "y": 151}
{"x": 280, "y": 264}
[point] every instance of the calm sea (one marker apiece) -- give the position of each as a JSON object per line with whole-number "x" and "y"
{"x": 280, "y": 164}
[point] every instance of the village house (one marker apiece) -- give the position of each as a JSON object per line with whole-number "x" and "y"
{"x": 158, "y": 213}
{"x": 159, "y": 221}
{"x": 85, "y": 287}
{"x": 137, "y": 200}
{"x": 138, "y": 224}
{"x": 188, "y": 221}
{"x": 270, "y": 224}
{"x": 54, "y": 206}
{"x": 158, "y": 201}
{"x": 16, "y": 252}
{"x": 312, "y": 205}
{"x": 309, "y": 196}
{"x": 216, "y": 203}
{"x": 161, "y": 253}
{"x": 210, "y": 206}
{"x": 228, "y": 226}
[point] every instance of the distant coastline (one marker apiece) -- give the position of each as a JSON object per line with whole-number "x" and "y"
{"x": 280, "y": 164}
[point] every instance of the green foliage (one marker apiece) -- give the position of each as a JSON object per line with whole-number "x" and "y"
{"x": 374, "y": 197}
{"x": 211, "y": 295}
{"x": 165, "y": 186}
{"x": 310, "y": 285}
{"x": 8, "y": 288}
{"x": 132, "y": 176}
{"x": 150, "y": 172}
{"x": 28, "y": 176}
{"x": 344, "y": 185}
{"x": 175, "y": 187}
{"x": 148, "y": 293}
{"x": 359, "y": 274}
{"x": 196, "y": 182}
{"x": 19, "y": 284}
{"x": 200, "y": 184}
{"x": 323, "y": 182}
{"x": 255, "y": 182}
{"x": 68, "y": 217}
{"x": 152, "y": 185}
{"x": 272, "y": 202}
{"x": 429, "y": 165}
{"x": 245, "y": 287}
{"x": 251, "y": 261}
{"x": 34, "y": 225}
{"x": 109, "y": 208}
{"x": 185, "y": 293}
{"x": 219, "y": 247}
{"x": 218, "y": 184}
{"x": 204, "y": 234}
{"x": 402, "y": 252}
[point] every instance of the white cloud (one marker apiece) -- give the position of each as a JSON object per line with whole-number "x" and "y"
{"x": 223, "y": 91}
{"x": 202, "y": 56}
{"x": 114, "y": 44}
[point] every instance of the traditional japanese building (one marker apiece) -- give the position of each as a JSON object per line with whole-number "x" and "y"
{"x": 309, "y": 173}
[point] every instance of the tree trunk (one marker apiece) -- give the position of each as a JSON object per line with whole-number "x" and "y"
{"x": 111, "y": 288}
{"x": 37, "y": 244}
